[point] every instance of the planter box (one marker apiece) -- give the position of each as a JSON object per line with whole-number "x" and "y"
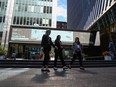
{"x": 2, "y": 57}
{"x": 107, "y": 58}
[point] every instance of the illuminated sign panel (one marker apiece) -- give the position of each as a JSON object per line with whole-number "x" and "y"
{"x": 67, "y": 37}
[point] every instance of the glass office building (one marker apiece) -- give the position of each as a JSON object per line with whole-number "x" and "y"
{"x": 3, "y": 7}
{"x": 33, "y": 12}
{"x": 94, "y": 15}
{"x": 82, "y": 14}
{"x": 26, "y": 12}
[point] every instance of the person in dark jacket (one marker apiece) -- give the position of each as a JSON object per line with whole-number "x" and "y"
{"x": 58, "y": 52}
{"x": 77, "y": 52}
{"x": 46, "y": 44}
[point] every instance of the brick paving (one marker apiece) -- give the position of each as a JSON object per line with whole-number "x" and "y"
{"x": 91, "y": 77}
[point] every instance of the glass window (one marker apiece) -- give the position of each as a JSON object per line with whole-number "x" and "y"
{"x": 40, "y": 21}
{"x": 24, "y": 20}
{"x": 110, "y": 2}
{"x": 14, "y": 20}
{"x": 22, "y": 8}
{"x": 47, "y": 21}
{"x": 17, "y": 20}
{"x": 50, "y": 21}
{"x": 45, "y": 7}
{"x": 37, "y": 20}
{"x": 16, "y": 7}
{"x": 46, "y": 0}
{"x": 3, "y": 18}
{"x": 27, "y": 23}
{"x": 106, "y": 4}
{"x": 0, "y": 4}
{"x": 34, "y": 21}
{"x": 0, "y": 19}
{"x": 26, "y": 8}
{"x": 21, "y": 20}
{"x": 31, "y": 21}
{"x": 41, "y": 9}
{"x": 43, "y": 21}
{"x": 19, "y": 7}
{"x": 50, "y": 9}
{"x": 30, "y": 8}
{"x": 102, "y": 6}
{"x": 36, "y": 9}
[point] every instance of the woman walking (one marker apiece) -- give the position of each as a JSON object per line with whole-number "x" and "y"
{"x": 77, "y": 52}
{"x": 58, "y": 53}
{"x": 46, "y": 44}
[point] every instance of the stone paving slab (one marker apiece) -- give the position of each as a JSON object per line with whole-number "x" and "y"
{"x": 91, "y": 77}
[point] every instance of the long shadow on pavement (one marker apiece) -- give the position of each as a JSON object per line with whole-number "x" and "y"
{"x": 60, "y": 73}
{"x": 44, "y": 76}
{"x": 87, "y": 71}
{"x": 41, "y": 78}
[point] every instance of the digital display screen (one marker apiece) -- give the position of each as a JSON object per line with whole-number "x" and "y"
{"x": 22, "y": 34}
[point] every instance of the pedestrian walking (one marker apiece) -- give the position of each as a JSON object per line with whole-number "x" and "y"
{"x": 58, "y": 52}
{"x": 13, "y": 56}
{"x": 77, "y": 52}
{"x": 46, "y": 44}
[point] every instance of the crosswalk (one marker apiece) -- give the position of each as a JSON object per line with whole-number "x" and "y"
{"x": 6, "y": 73}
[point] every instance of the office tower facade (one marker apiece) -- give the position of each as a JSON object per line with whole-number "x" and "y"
{"x": 3, "y": 7}
{"x": 29, "y": 13}
{"x": 82, "y": 14}
{"x": 94, "y": 15}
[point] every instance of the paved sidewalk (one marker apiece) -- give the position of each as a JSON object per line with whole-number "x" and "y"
{"x": 91, "y": 77}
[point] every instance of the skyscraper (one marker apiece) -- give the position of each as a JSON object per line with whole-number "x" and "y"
{"x": 27, "y": 12}
{"x": 82, "y": 14}
{"x": 94, "y": 15}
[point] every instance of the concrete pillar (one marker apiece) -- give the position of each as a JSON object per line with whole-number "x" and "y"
{"x": 8, "y": 22}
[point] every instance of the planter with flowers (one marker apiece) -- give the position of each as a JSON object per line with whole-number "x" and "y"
{"x": 106, "y": 55}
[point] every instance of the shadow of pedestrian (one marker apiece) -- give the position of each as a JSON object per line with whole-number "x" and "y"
{"x": 60, "y": 73}
{"x": 87, "y": 71}
{"x": 41, "y": 78}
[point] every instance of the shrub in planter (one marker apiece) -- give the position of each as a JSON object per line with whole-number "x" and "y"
{"x": 106, "y": 55}
{"x": 3, "y": 52}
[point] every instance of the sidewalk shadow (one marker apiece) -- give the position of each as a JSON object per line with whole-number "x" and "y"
{"x": 60, "y": 73}
{"x": 41, "y": 78}
{"x": 86, "y": 71}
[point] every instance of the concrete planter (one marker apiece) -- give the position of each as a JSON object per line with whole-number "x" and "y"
{"x": 2, "y": 57}
{"x": 107, "y": 58}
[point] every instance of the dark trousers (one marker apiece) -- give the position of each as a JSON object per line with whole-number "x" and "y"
{"x": 79, "y": 55}
{"x": 58, "y": 54}
{"x": 46, "y": 57}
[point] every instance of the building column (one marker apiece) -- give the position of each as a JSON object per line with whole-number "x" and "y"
{"x": 8, "y": 22}
{"x": 54, "y": 13}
